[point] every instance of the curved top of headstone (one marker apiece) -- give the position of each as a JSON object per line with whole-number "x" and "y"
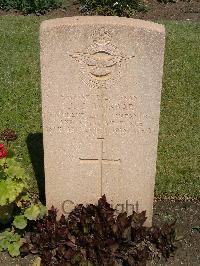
{"x": 98, "y": 20}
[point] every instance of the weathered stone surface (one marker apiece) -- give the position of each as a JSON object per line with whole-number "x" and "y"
{"x": 101, "y": 85}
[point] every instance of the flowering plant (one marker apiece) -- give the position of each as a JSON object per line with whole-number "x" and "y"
{"x": 3, "y": 151}
{"x": 17, "y": 203}
{"x": 112, "y": 7}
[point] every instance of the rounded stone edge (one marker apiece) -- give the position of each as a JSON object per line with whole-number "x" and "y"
{"x": 98, "y": 20}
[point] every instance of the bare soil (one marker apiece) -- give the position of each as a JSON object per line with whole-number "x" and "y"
{"x": 182, "y": 10}
{"x": 187, "y": 216}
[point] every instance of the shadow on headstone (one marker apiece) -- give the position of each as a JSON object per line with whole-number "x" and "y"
{"x": 35, "y": 147}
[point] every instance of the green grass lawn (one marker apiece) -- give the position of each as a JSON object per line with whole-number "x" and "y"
{"x": 178, "y": 167}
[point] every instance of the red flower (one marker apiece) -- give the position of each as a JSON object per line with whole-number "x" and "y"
{"x": 3, "y": 151}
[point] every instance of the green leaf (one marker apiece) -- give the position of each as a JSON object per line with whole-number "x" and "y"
{"x": 32, "y": 213}
{"x": 2, "y": 173}
{"x": 4, "y": 243}
{"x": 43, "y": 210}
{"x": 2, "y": 161}
{"x": 3, "y": 193}
{"x": 25, "y": 197}
{"x": 10, "y": 190}
{"x": 20, "y": 222}
{"x": 15, "y": 171}
{"x": 7, "y": 237}
{"x": 14, "y": 249}
{"x": 5, "y": 234}
{"x": 11, "y": 153}
{"x": 13, "y": 180}
{"x": 15, "y": 237}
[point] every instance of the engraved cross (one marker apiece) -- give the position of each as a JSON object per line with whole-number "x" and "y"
{"x": 101, "y": 161}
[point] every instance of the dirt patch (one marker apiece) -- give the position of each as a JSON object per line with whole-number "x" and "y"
{"x": 187, "y": 214}
{"x": 183, "y": 10}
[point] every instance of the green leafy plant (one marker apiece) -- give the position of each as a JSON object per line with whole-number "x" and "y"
{"x": 17, "y": 203}
{"x": 95, "y": 236}
{"x": 11, "y": 241}
{"x": 112, "y": 7}
{"x": 30, "y": 6}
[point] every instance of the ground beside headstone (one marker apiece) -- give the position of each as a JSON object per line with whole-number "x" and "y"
{"x": 187, "y": 214}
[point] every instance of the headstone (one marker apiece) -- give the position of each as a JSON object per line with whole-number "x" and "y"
{"x": 101, "y": 85}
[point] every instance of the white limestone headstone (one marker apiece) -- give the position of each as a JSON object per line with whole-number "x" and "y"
{"x": 101, "y": 86}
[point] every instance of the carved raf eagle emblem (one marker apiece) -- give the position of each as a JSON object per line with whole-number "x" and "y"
{"x": 101, "y": 57}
